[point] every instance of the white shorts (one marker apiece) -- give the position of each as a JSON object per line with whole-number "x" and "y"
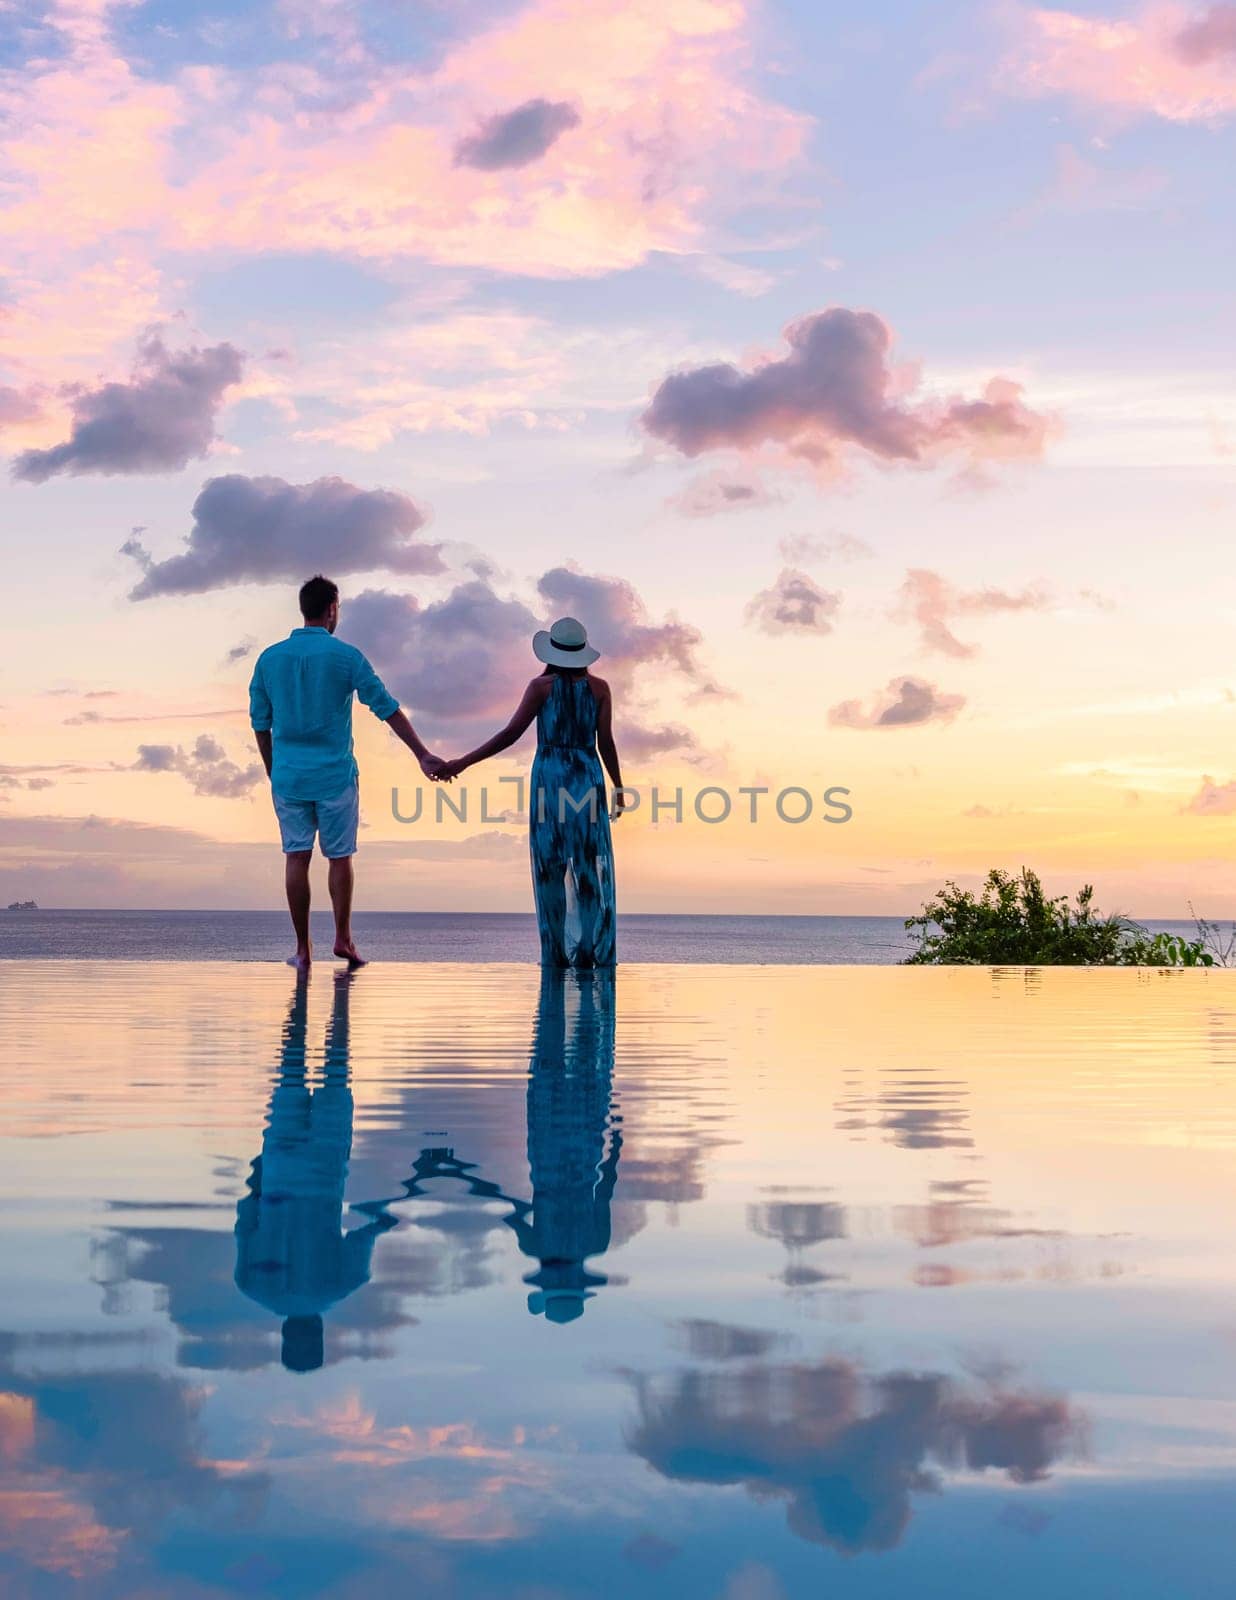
{"x": 334, "y": 821}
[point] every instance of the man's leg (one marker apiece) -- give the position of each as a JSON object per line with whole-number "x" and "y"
{"x": 298, "y": 824}
{"x": 338, "y": 821}
{"x": 342, "y": 879}
{"x": 296, "y": 879}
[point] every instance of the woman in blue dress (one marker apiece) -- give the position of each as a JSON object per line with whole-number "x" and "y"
{"x": 572, "y": 851}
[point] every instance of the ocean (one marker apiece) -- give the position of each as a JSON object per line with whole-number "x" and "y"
{"x": 456, "y": 936}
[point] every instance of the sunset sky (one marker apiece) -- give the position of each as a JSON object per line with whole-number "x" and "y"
{"x": 861, "y": 377}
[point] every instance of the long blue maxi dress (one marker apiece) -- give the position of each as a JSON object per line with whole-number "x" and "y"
{"x": 572, "y": 851}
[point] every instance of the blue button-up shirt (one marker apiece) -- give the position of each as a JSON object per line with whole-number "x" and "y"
{"x": 301, "y": 692}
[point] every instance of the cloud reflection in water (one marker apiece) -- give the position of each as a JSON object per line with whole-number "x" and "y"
{"x": 845, "y": 1451}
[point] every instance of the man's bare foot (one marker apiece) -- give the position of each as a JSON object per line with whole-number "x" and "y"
{"x": 302, "y": 960}
{"x": 346, "y": 950}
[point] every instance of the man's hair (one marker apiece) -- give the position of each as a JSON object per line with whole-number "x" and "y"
{"x": 316, "y": 596}
{"x": 303, "y": 1344}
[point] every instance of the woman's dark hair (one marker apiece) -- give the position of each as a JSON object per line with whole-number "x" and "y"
{"x": 317, "y": 596}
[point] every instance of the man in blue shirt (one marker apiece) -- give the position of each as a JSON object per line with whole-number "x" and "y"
{"x": 300, "y": 705}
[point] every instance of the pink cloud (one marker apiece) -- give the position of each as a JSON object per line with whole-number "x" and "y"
{"x": 1081, "y": 185}
{"x": 71, "y": 315}
{"x": 932, "y": 603}
{"x": 661, "y": 100}
{"x": 715, "y": 493}
{"x": 1213, "y": 799}
{"x": 391, "y": 1476}
{"x": 18, "y": 407}
{"x": 85, "y": 176}
{"x": 1170, "y": 61}
{"x": 113, "y": 176}
{"x": 90, "y": 152}
{"x": 459, "y": 371}
{"x": 662, "y": 108}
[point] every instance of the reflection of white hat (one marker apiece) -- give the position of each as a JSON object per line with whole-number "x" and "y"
{"x": 558, "y": 1305}
{"x": 564, "y": 645}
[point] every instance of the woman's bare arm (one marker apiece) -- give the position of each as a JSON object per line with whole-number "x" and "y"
{"x": 606, "y": 747}
{"x": 525, "y": 713}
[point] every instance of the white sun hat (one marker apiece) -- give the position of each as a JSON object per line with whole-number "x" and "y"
{"x": 564, "y": 645}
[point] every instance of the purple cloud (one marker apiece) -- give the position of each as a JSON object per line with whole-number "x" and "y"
{"x": 794, "y": 604}
{"x": 262, "y": 530}
{"x": 155, "y": 758}
{"x": 835, "y": 392}
{"x": 461, "y": 662}
{"x": 206, "y": 767}
{"x": 619, "y": 625}
{"x": 905, "y": 703}
{"x": 641, "y": 741}
{"x": 516, "y": 138}
{"x": 1212, "y": 36}
{"x": 157, "y": 422}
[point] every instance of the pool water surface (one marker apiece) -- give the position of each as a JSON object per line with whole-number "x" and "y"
{"x": 744, "y": 1283}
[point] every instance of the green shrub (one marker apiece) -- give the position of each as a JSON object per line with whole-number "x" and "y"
{"x": 1013, "y": 923}
{"x": 1165, "y": 950}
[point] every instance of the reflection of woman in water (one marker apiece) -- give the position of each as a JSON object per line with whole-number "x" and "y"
{"x": 572, "y": 851}
{"x": 292, "y": 1254}
{"x": 573, "y": 1173}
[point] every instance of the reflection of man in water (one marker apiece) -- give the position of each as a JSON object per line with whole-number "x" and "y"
{"x": 292, "y": 1253}
{"x": 573, "y": 1175}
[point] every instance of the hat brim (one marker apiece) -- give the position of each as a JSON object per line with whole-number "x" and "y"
{"x": 544, "y": 649}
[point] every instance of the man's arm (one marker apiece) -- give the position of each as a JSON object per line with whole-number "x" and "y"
{"x": 261, "y": 717}
{"x": 402, "y": 728}
{"x": 371, "y": 691}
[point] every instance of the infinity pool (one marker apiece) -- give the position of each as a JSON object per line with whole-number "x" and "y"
{"x": 740, "y": 1283}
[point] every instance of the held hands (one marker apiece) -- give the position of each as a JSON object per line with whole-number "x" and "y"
{"x": 439, "y": 770}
